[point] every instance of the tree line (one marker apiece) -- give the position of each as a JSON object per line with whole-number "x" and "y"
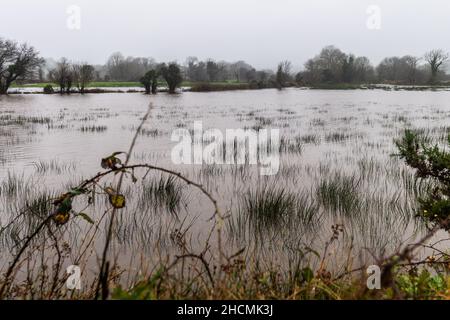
{"x": 332, "y": 65}
{"x": 21, "y": 62}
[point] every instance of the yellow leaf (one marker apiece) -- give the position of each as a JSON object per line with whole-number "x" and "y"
{"x": 117, "y": 201}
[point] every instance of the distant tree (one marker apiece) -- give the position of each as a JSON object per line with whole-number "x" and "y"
{"x": 312, "y": 73}
{"x": 172, "y": 74}
{"x": 150, "y": 81}
{"x": 300, "y": 78}
{"x": 328, "y": 66}
{"x": 403, "y": 70}
{"x": 146, "y": 81}
{"x": 48, "y": 89}
{"x": 17, "y": 62}
{"x": 411, "y": 64}
{"x": 283, "y": 74}
{"x": 390, "y": 69}
{"x": 212, "y": 69}
{"x": 120, "y": 68}
{"x": 63, "y": 75}
{"x": 435, "y": 58}
{"x": 116, "y": 67}
{"x": 195, "y": 69}
{"x": 238, "y": 70}
{"x": 348, "y": 69}
{"x": 41, "y": 74}
{"x": 330, "y": 62}
{"x": 190, "y": 67}
{"x": 328, "y": 76}
{"x": 223, "y": 72}
{"x": 250, "y": 75}
{"x": 363, "y": 70}
{"x": 82, "y": 74}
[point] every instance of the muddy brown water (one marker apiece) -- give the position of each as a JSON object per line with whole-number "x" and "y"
{"x": 49, "y": 143}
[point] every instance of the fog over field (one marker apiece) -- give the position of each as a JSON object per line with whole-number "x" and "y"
{"x": 261, "y": 32}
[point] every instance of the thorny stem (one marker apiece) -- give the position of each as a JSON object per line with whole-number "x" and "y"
{"x": 103, "y": 277}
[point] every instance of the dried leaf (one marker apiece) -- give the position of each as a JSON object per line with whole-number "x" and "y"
{"x": 110, "y": 191}
{"x": 61, "y": 218}
{"x": 111, "y": 162}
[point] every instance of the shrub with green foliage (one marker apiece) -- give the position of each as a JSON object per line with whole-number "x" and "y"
{"x": 150, "y": 81}
{"x": 172, "y": 74}
{"x": 48, "y": 89}
{"x": 430, "y": 162}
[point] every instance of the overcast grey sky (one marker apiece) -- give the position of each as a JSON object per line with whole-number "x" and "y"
{"x": 262, "y": 32}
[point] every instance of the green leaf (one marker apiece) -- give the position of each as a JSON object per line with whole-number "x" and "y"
{"x": 307, "y": 274}
{"x": 86, "y": 217}
{"x": 76, "y": 192}
{"x": 65, "y": 206}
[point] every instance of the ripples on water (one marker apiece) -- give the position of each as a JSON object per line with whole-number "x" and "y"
{"x": 336, "y": 165}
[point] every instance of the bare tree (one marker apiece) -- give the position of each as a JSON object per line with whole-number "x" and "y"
{"x": 62, "y": 75}
{"x": 364, "y": 71}
{"x": 411, "y": 64}
{"x": 331, "y": 60}
{"x": 17, "y": 62}
{"x": 120, "y": 68}
{"x": 212, "y": 69}
{"x": 435, "y": 58}
{"x": 283, "y": 73}
{"x": 195, "y": 69}
{"x": 115, "y": 66}
{"x": 312, "y": 73}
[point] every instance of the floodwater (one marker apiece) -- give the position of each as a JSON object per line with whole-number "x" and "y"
{"x": 336, "y": 160}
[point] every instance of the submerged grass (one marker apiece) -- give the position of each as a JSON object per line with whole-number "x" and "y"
{"x": 340, "y": 194}
{"x": 329, "y": 174}
{"x": 163, "y": 192}
{"x": 55, "y": 166}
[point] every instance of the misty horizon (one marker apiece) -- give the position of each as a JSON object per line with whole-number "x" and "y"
{"x": 261, "y": 33}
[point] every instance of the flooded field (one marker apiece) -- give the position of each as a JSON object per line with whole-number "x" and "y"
{"x": 337, "y": 172}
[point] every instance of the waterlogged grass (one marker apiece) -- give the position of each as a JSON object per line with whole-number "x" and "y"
{"x": 54, "y": 166}
{"x": 93, "y": 128}
{"x": 340, "y": 194}
{"x": 20, "y": 120}
{"x": 268, "y": 206}
{"x": 336, "y": 168}
{"x": 165, "y": 192}
{"x": 272, "y": 210}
